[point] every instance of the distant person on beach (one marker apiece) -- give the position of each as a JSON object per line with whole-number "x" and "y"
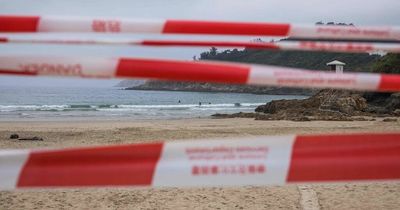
{"x": 179, "y": 101}
{"x": 199, "y": 103}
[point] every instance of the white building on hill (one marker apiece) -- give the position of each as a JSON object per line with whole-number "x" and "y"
{"x": 337, "y": 66}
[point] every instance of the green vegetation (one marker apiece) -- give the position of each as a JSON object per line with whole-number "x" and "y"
{"x": 389, "y": 63}
{"x": 296, "y": 59}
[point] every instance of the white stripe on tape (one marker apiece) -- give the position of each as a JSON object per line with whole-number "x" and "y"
{"x": 348, "y": 32}
{"x": 112, "y": 25}
{"x": 254, "y": 161}
{"x": 64, "y": 24}
{"x": 61, "y": 66}
{"x": 282, "y": 76}
{"x": 142, "y": 26}
{"x": 11, "y": 163}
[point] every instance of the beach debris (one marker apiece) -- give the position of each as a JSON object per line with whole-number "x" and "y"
{"x": 35, "y": 138}
{"x": 236, "y": 115}
{"x": 16, "y": 136}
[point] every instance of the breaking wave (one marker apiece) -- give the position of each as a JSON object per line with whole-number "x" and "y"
{"x": 124, "y": 107}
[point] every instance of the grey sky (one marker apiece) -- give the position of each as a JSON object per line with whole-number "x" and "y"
{"x": 306, "y": 11}
{"x": 359, "y": 12}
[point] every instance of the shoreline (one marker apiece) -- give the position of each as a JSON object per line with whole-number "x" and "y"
{"x": 217, "y": 116}
{"x": 94, "y": 118}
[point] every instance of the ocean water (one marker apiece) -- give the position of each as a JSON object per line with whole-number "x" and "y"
{"x": 59, "y": 103}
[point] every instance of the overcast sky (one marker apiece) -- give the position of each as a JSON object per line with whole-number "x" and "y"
{"x": 359, "y": 12}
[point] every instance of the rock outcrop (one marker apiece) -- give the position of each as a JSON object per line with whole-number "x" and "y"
{"x": 383, "y": 103}
{"x": 325, "y": 105}
{"x": 329, "y": 104}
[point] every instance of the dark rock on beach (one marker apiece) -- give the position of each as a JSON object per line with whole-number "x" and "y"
{"x": 236, "y": 115}
{"x": 383, "y": 103}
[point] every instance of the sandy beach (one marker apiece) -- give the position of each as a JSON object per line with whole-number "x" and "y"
{"x": 59, "y": 134}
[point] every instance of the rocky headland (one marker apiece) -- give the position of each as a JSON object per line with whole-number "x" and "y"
{"x": 224, "y": 88}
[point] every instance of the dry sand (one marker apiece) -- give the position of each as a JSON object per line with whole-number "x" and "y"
{"x": 100, "y": 132}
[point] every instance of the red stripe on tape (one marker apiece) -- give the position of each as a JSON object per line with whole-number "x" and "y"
{"x": 211, "y": 27}
{"x": 183, "y": 71}
{"x": 345, "y": 157}
{"x": 13, "y": 72}
{"x": 389, "y": 82}
{"x": 117, "y": 165}
{"x": 19, "y": 23}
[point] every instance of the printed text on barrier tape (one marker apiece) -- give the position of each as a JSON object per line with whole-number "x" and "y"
{"x": 237, "y": 162}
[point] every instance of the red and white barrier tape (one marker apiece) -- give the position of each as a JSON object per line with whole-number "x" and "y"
{"x": 236, "y": 162}
{"x": 354, "y": 47}
{"x": 120, "y": 25}
{"x": 217, "y": 72}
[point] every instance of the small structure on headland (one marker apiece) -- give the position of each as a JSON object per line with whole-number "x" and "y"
{"x": 337, "y": 66}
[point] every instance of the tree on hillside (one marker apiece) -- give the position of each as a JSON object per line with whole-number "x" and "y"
{"x": 213, "y": 51}
{"x": 205, "y": 55}
{"x": 333, "y": 23}
{"x": 389, "y": 63}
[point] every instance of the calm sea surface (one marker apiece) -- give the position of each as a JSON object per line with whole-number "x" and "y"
{"x": 58, "y": 103}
